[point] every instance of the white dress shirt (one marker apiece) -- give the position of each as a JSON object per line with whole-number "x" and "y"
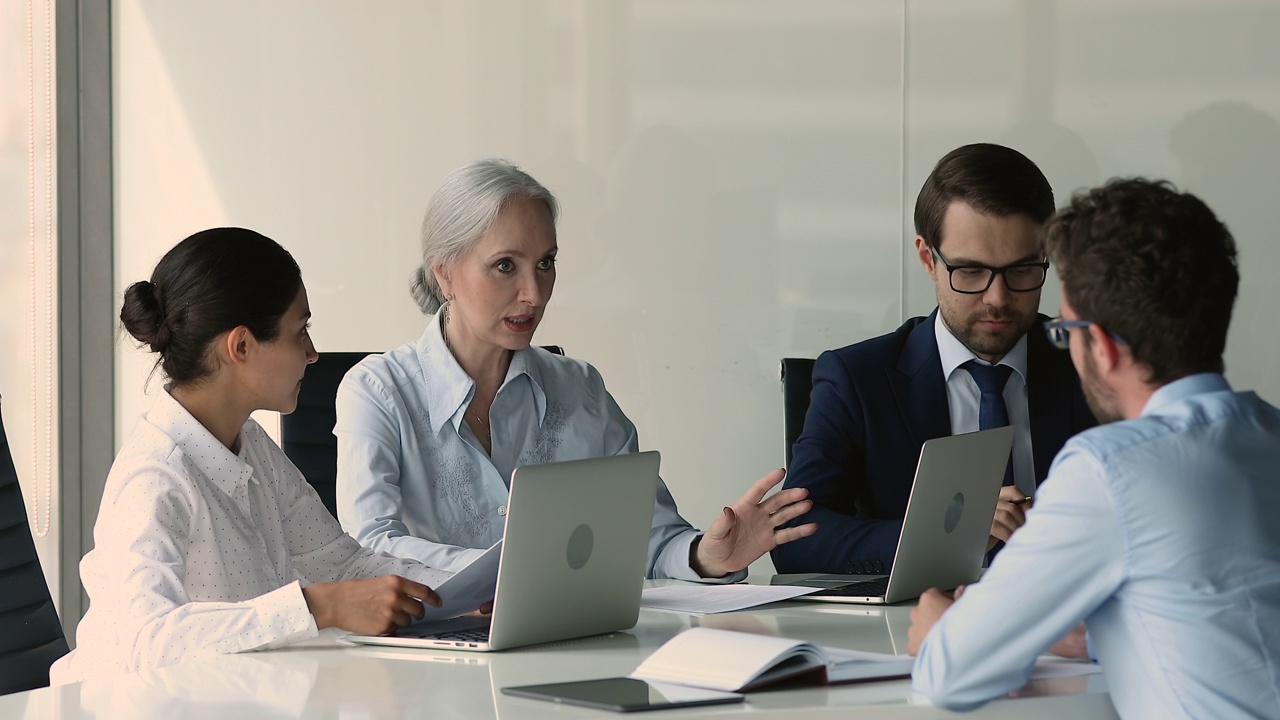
{"x": 1160, "y": 533}
{"x": 963, "y": 398}
{"x": 199, "y": 551}
{"x": 414, "y": 481}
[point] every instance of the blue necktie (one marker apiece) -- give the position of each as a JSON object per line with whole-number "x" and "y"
{"x": 992, "y": 412}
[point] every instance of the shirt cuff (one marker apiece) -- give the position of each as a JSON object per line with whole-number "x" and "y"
{"x": 428, "y": 576}
{"x": 283, "y": 616}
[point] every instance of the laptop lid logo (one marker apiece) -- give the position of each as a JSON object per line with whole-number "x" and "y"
{"x": 954, "y": 511}
{"x": 581, "y": 543}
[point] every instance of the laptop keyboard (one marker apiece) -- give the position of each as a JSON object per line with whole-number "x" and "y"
{"x": 474, "y": 635}
{"x": 863, "y": 588}
{"x": 460, "y": 636}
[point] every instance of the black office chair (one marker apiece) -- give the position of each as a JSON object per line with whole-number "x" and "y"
{"x": 797, "y": 381}
{"x": 306, "y": 434}
{"x": 31, "y": 637}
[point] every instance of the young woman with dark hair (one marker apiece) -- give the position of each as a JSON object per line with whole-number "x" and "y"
{"x": 208, "y": 539}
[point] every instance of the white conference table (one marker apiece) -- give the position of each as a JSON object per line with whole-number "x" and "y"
{"x": 326, "y": 678}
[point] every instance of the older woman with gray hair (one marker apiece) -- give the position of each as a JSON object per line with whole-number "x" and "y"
{"x": 429, "y": 433}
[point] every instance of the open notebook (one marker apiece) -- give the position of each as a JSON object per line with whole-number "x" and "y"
{"x": 737, "y": 661}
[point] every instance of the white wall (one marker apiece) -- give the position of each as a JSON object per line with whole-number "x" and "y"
{"x": 737, "y": 177}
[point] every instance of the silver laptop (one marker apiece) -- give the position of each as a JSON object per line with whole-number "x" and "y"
{"x": 944, "y": 534}
{"x": 573, "y": 558}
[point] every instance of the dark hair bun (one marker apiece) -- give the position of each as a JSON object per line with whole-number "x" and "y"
{"x": 209, "y": 283}
{"x": 143, "y": 316}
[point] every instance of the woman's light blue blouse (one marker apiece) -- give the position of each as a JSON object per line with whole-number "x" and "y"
{"x": 414, "y": 481}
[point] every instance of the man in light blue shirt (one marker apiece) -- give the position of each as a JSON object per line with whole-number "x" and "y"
{"x": 1157, "y": 529}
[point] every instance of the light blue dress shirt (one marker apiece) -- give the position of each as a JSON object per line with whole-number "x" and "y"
{"x": 1162, "y": 534}
{"x": 414, "y": 481}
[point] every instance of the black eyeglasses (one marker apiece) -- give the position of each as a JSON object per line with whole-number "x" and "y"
{"x": 976, "y": 279}
{"x": 1059, "y": 334}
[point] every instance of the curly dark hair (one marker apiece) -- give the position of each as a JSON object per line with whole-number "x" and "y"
{"x": 1153, "y": 266}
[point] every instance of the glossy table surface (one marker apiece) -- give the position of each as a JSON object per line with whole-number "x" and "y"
{"x": 326, "y": 678}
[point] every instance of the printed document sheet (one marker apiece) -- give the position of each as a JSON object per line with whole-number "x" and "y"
{"x": 696, "y": 599}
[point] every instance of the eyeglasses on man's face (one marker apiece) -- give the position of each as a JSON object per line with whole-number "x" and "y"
{"x": 1059, "y": 332}
{"x": 974, "y": 279}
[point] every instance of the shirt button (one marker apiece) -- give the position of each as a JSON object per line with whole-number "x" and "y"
{"x": 502, "y": 509}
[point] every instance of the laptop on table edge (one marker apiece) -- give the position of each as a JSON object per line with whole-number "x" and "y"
{"x": 574, "y": 549}
{"x": 944, "y": 534}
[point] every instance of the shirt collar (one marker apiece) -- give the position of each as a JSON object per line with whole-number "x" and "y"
{"x": 450, "y": 389}
{"x": 223, "y": 468}
{"x": 1183, "y": 388}
{"x": 529, "y": 363}
{"x": 954, "y": 353}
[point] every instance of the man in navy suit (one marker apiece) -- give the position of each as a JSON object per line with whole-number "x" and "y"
{"x": 875, "y": 403}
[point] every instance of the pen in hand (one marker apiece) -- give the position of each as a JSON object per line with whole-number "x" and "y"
{"x": 1022, "y": 500}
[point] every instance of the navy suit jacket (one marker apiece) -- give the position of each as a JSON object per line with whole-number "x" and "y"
{"x": 873, "y": 406}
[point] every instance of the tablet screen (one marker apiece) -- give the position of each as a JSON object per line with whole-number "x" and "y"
{"x": 623, "y": 694}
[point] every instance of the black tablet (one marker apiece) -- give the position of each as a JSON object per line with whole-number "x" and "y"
{"x": 623, "y": 694}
